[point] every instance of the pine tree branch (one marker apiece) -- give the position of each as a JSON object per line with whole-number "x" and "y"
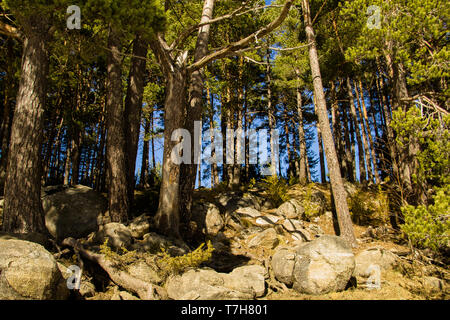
{"x": 241, "y": 44}
{"x": 236, "y": 13}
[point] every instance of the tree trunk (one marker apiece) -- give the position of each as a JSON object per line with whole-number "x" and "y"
{"x": 349, "y": 155}
{"x": 323, "y": 178}
{"x": 272, "y": 120}
{"x": 365, "y": 141}
{"x": 288, "y": 144}
{"x": 369, "y": 134}
{"x": 133, "y": 110}
{"x": 152, "y": 129}
{"x": 302, "y": 176}
{"x": 194, "y": 113}
{"x": 336, "y": 126}
{"x": 167, "y": 218}
{"x": 354, "y": 117}
{"x": 75, "y": 154}
{"x": 337, "y": 186}
{"x": 143, "y": 183}
{"x": 115, "y": 154}
{"x": 214, "y": 171}
{"x": 23, "y": 211}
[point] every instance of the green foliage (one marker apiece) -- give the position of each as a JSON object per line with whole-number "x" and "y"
{"x": 176, "y": 265}
{"x": 128, "y": 16}
{"x": 429, "y": 226}
{"x": 252, "y": 183}
{"x": 276, "y": 189}
{"x": 432, "y": 135}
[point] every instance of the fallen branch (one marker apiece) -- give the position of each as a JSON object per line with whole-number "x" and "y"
{"x": 145, "y": 290}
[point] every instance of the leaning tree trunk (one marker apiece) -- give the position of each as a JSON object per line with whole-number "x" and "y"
{"x": 23, "y": 211}
{"x": 115, "y": 140}
{"x": 337, "y": 186}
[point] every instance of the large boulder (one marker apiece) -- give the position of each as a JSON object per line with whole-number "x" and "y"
{"x": 28, "y": 271}
{"x": 246, "y": 282}
{"x": 291, "y": 209}
{"x": 315, "y": 203}
{"x": 73, "y": 212}
{"x": 323, "y": 265}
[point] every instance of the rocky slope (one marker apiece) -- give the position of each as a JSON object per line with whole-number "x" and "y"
{"x": 260, "y": 252}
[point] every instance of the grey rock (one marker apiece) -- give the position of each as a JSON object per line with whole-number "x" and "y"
{"x": 139, "y": 226}
{"x": 143, "y": 271}
{"x": 267, "y": 220}
{"x": 291, "y": 209}
{"x": 28, "y": 271}
{"x": 208, "y": 218}
{"x": 282, "y": 264}
{"x": 433, "y": 284}
{"x": 248, "y": 211}
{"x": 246, "y": 282}
{"x": 118, "y": 235}
{"x": 267, "y": 239}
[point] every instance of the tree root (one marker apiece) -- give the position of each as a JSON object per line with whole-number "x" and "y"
{"x": 145, "y": 290}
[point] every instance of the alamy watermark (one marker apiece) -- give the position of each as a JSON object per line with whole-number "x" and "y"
{"x": 258, "y": 143}
{"x": 374, "y": 20}
{"x": 74, "y": 281}
{"x": 74, "y": 20}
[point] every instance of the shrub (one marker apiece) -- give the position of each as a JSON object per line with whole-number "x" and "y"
{"x": 176, "y": 265}
{"x": 121, "y": 258}
{"x": 276, "y": 189}
{"x": 429, "y": 226}
{"x": 369, "y": 207}
{"x": 311, "y": 207}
